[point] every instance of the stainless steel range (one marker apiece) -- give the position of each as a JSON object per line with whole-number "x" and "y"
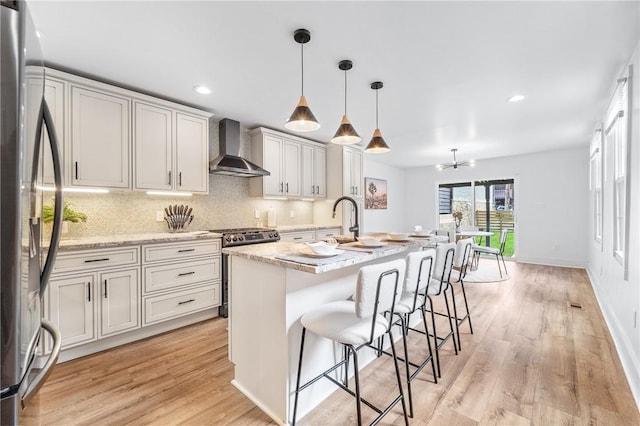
{"x": 239, "y": 237}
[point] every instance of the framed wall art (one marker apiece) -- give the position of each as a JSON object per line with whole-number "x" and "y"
{"x": 375, "y": 193}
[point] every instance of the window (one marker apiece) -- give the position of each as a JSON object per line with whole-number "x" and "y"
{"x": 595, "y": 184}
{"x": 488, "y": 205}
{"x": 617, "y": 140}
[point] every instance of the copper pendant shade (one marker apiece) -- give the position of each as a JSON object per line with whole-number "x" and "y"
{"x": 377, "y": 145}
{"x": 302, "y": 119}
{"x": 346, "y": 134}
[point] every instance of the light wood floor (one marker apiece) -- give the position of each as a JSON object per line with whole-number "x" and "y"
{"x": 532, "y": 360}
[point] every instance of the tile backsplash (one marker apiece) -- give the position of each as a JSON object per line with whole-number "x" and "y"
{"x": 227, "y": 205}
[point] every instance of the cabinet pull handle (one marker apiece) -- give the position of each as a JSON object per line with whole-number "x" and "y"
{"x": 105, "y": 289}
{"x": 318, "y": 189}
{"x": 186, "y": 250}
{"x": 179, "y": 178}
{"x": 96, "y": 260}
{"x": 313, "y": 189}
{"x": 89, "y": 292}
{"x": 287, "y": 186}
{"x": 182, "y": 274}
{"x": 297, "y": 238}
{"x": 76, "y": 169}
{"x": 281, "y": 185}
{"x": 169, "y": 177}
{"x": 186, "y": 301}
{"x": 356, "y": 190}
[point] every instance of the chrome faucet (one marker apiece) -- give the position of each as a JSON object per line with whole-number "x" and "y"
{"x": 355, "y": 228}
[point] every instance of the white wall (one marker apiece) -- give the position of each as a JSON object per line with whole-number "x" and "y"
{"x": 391, "y": 219}
{"x": 620, "y": 299}
{"x": 551, "y": 198}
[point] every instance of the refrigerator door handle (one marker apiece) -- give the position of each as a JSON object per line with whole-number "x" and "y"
{"x": 41, "y": 377}
{"x": 46, "y": 119}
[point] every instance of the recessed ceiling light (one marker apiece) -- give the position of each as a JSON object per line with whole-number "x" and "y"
{"x": 515, "y": 98}
{"x": 203, "y": 90}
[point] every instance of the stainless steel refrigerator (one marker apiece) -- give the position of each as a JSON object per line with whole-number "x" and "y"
{"x": 28, "y": 147}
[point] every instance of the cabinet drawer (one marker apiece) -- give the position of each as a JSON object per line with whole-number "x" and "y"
{"x": 173, "y": 251}
{"x": 298, "y": 237}
{"x": 160, "y": 308}
{"x": 328, "y": 233}
{"x": 96, "y": 259}
{"x": 174, "y": 275}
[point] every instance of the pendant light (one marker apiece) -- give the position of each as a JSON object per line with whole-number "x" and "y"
{"x": 377, "y": 145}
{"x": 302, "y": 119}
{"x": 346, "y": 134}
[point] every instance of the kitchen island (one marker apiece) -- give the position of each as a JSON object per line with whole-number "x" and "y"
{"x": 271, "y": 286}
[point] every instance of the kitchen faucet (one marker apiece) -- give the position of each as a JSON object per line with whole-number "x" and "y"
{"x": 355, "y": 228}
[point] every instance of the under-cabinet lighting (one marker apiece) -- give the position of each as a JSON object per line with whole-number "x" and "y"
{"x": 308, "y": 199}
{"x": 275, "y": 198}
{"x": 83, "y": 190}
{"x": 173, "y": 194}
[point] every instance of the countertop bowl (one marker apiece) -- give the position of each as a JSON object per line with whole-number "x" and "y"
{"x": 322, "y": 247}
{"x": 369, "y": 241}
{"x": 422, "y": 232}
{"x": 399, "y": 236}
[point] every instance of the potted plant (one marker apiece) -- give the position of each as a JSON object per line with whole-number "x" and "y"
{"x": 68, "y": 215}
{"x": 457, "y": 216}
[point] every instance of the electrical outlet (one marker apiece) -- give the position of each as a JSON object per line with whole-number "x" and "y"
{"x": 159, "y": 216}
{"x": 256, "y": 214}
{"x": 292, "y": 213}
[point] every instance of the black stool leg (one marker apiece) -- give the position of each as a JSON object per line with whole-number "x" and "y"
{"x": 295, "y": 403}
{"x": 426, "y": 333}
{"x": 406, "y": 363}
{"x": 446, "y": 302}
{"x": 466, "y": 305}
{"x": 455, "y": 315}
{"x": 395, "y": 364}
{"x": 357, "y": 380}
{"x": 435, "y": 334}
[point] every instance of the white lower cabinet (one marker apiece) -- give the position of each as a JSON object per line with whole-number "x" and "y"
{"x": 119, "y": 301}
{"x": 89, "y": 306}
{"x": 96, "y": 294}
{"x": 72, "y": 308}
{"x": 180, "y": 279}
{"x": 298, "y": 236}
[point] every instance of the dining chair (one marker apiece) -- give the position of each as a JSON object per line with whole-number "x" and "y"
{"x": 497, "y": 252}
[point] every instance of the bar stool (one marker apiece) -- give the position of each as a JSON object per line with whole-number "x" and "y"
{"x": 355, "y": 325}
{"x": 464, "y": 247}
{"x": 419, "y": 266}
{"x": 438, "y": 286}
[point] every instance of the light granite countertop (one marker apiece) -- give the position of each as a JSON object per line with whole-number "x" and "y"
{"x": 106, "y": 241}
{"x": 300, "y": 257}
{"x": 308, "y": 227}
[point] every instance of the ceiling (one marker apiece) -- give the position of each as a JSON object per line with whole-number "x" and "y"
{"x": 447, "y": 67}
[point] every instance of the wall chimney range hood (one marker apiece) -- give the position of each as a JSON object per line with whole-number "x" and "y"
{"x": 229, "y": 161}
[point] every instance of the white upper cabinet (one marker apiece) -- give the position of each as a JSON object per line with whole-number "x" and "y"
{"x": 192, "y": 153}
{"x": 346, "y": 176}
{"x": 314, "y": 171}
{"x": 171, "y": 150}
{"x": 291, "y": 162}
{"x": 121, "y": 139}
{"x": 100, "y": 139}
{"x": 153, "y": 138}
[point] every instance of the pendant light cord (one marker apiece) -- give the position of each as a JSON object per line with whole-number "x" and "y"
{"x": 377, "y": 108}
{"x": 345, "y": 92}
{"x": 302, "y": 67}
